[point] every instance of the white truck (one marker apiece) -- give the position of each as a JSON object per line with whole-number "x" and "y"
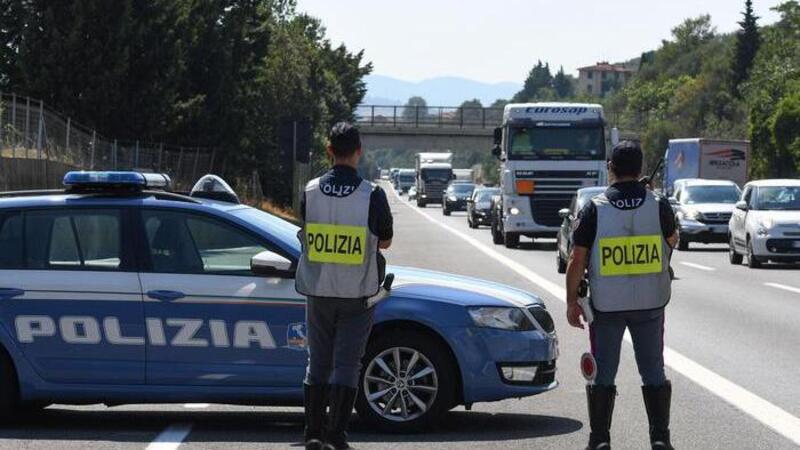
{"x": 434, "y": 173}
{"x": 711, "y": 159}
{"x": 547, "y": 151}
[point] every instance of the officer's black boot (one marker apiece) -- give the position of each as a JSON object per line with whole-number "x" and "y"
{"x": 601, "y": 408}
{"x": 315, "y": 401}
{"x": 657, "y": 402}
{"x": 342, "y": 399}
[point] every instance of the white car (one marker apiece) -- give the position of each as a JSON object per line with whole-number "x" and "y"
{"x": 704, "y": 209}
{"x": 765, "y": 224}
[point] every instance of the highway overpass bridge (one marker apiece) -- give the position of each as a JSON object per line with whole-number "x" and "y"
{"x": 427, "y": 128}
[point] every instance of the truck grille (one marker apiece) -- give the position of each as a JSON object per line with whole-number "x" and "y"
{"x": 544, "y": 208}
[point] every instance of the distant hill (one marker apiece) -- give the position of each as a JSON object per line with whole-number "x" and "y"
{"x": 440, "y": 91}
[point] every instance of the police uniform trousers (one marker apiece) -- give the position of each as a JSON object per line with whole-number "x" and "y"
{"x": 647, "y": 332}
{"x": 338, "y": 330}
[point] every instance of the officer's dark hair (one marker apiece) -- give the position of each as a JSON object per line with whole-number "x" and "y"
{"x": 344, "y": 139}
{"x": 626, "y": 159}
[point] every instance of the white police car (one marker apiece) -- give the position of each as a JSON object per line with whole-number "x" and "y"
{"x": 116, "y": 291}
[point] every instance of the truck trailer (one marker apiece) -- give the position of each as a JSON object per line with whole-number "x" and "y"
{"x": 710, "y": 159}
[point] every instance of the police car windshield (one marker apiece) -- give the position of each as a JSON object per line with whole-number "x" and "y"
{"x": 710, "y": 194}
{"x": 556, "y": 143}
{"x": 282, "y": 230}
{"x": 785, "y": 198}
{"x": 437, "y": 174}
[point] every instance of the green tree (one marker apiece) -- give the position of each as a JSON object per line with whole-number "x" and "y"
{"x": 563, "y": 84}
{"x": 539, "y": 78}
{"x": 416, "y": 108}
{"x": 785, "y": 130}
{"x": 747, "y": 41}
{"x": 470, "y": 112}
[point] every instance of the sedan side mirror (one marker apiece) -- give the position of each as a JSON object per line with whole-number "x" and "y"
{"x": 270, "y": 264}
{"x": 742, "y": 205}
{"x": 563, "y": 213}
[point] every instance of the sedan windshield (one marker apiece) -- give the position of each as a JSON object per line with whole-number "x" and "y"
{"x": 710, "y": 194}
{"x": 485, "y": 195}
{"x": 462, "y": 188}
{"x": 778, "y": 198}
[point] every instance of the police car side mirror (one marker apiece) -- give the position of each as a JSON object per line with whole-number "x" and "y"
{"x": 269, "y": 264}
{"x": 741, "y": 204}
{"x": 563, "y": 213}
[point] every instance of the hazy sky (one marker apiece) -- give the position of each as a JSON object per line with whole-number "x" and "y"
{"x": 499, "y": 40}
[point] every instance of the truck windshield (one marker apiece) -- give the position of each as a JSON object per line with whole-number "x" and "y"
{"x": 437, "y": 174}
{"x": 407, "y": 178}
{"x": 710, "y": 194}
{"x": 567, "y": 143}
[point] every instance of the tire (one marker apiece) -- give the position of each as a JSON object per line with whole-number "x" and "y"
{"x": 445, "y": 210}
{"x": 420, "y": 203}
{"x": 752, "y": 261}
{"x": 683, "y": 245}
{"x": 9, "y": 388}
{"x": 497, "y": 236}
{"x": 560, "y": 263}
{"x": 432, "y": 355}
{"x": 733, "y": 256}
{"x": 471, "y": 222}
{"x": 511, "y": 240}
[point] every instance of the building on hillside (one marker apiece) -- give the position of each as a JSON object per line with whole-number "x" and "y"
{"x": 602, "y": 78}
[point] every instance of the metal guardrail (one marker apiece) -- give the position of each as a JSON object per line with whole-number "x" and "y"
{"x": 428, "y": 116}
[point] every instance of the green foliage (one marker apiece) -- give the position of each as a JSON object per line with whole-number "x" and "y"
{"x": 562, "y": 84}
{"x": 538, "y": 79}
{"x": 219, "y": 74}
{"x": 747, "y": 41}
{"x": 785, "y": 129}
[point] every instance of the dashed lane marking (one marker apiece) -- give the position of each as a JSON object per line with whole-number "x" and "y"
{"x": 784, "y": 287}
{"x": 171, "y": 438}
{"x": 698, "y": 266}
{"x": 196, "y": 405}
{"x": 769, "y": 414}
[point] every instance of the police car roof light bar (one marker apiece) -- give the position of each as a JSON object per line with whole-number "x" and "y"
{"x": 115, "y": 179}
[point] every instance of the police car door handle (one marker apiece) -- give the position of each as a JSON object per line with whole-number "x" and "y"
{"x": 165, "y": 296}
{"x": 6, "y": 293}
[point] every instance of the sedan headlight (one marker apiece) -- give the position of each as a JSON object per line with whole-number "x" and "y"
{"x": 513, "y": 211}
{"x": 764, "y": 226}
{"x": 513, "y": 319}
{"x": 452, "y": 198}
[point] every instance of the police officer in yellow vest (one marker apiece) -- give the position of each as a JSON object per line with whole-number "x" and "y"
{"x": 623, "y": 238}
{"x": 347, "y": 220}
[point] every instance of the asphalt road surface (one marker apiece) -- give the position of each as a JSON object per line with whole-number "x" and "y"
{"x": 732, "y": 349}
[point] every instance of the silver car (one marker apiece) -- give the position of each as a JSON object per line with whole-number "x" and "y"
{"x": 703, "y": 209}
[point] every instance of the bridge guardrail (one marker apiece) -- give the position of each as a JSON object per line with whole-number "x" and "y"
{"x": 428, "y": 116}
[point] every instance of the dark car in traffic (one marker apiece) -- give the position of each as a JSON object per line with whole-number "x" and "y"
{"x": 456, "y": 196}
{"x": 479, "y": 206}
{"x": 564, "y": 237}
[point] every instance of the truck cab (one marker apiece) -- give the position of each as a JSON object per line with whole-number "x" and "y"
{"x": 434, "y": 173}
{"x": 547, "y": 151}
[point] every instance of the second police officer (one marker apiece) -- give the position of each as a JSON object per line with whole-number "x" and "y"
{"x": 623, "y": 238}
{"x": 347, "y": 220}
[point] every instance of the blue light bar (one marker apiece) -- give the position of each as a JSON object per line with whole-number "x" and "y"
{"x": 100, "y": 179}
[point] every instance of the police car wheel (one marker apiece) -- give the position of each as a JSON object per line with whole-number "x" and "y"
{"x": 407, "y": 383}
{"x": 9, "y": 389}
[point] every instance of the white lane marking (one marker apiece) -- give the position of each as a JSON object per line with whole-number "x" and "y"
{"x": 698, "y": 266}
{"x": 196, "y": 405}
{"x": 784, "y": 287}
{"x": 769, "y": 414}
{"x": 171, "y": 438}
